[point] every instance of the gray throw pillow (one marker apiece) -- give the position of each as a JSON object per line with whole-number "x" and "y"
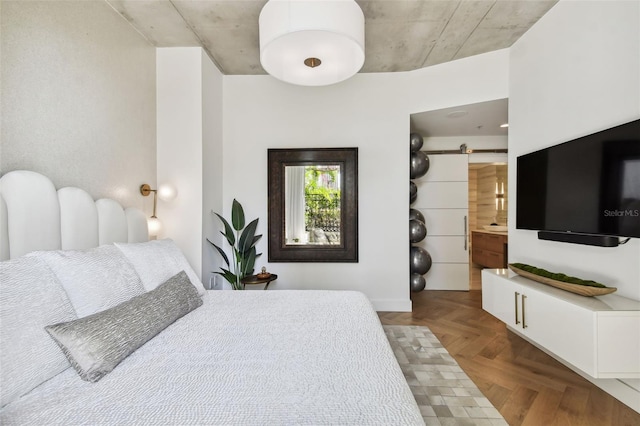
{"x": 96, "y": 344}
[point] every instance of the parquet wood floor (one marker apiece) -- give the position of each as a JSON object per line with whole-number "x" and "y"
{"x": 527, "y": 386}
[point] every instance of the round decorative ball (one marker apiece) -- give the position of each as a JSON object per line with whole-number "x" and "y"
{"x": 415, "y": 142}
{"x": 415, "y": 214}
{"x": 418, "y": 283}
{"x": 419, "y": 164}
{"x": 413, "y": 192}
{"x": 420, "y": 260}
{"x": 417, "y": 231}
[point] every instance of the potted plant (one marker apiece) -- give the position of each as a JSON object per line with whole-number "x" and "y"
{"x": 243, "y": 246}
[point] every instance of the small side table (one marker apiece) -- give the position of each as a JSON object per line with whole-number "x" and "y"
{"x": 253, "y": 279}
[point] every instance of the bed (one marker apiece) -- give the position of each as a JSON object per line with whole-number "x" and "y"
{"x": 240, "y": 357}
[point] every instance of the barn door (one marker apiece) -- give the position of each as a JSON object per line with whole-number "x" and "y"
{"x": 443, "y": 199}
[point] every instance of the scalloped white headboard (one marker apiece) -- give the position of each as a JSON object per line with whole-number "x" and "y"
{"x": 34, "y": 216}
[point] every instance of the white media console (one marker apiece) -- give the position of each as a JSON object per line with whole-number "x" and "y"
{"x": 599, "y": 336}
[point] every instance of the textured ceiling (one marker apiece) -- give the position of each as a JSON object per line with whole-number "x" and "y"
{"x": 400, "y": 35}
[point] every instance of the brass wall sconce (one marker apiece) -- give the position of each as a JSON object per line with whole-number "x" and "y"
{"x": 166, "y": 193}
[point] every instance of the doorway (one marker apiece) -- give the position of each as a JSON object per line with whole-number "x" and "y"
{"x": 457, "y": 141}
{"x": 488, "y": 205}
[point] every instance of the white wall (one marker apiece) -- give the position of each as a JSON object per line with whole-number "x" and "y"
{"x": 78, "y": 98}
{"x": 212, "y": 95}
{"x": 371, "y": 112}
{"x": 189, "y": 92}
{"x": 575, "y": 72}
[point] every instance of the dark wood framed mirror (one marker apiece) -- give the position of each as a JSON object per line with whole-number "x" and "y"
{"x": 313, "y": 205}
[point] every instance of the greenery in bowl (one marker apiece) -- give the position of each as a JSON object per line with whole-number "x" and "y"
{"x": 556, "y": 276}
{"x": 243, "y": 246}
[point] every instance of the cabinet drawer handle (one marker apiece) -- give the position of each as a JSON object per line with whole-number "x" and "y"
{"x": 524, "y": 320}
{"x": 516, "y": 305}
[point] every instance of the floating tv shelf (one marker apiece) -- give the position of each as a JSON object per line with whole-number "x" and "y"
{"x": 595, "y": 335}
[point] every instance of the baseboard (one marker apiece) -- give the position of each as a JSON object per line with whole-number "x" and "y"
{"x": 391, "y": 305}
{"x": 618, "y": 389}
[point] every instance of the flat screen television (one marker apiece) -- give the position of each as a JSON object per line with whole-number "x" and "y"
{"x": 589, "y": 185}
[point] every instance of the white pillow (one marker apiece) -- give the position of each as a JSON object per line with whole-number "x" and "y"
{"x": 30, "y": 298}
{"x": 158, "y": 260}
{"x": 95, "y": 279}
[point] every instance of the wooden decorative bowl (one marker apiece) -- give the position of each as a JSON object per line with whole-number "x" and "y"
{"x": 582, "y": 290}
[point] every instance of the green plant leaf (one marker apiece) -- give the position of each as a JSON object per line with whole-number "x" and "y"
{"x": 249, "y": 262}
{"x": 222, "y": 253}
{"x": 228, "y": 275}
{"x": 255, "y": 239}
{"x": 228, "y": 231}
{"x": 246, "y": 238}
{"x": 237, "y": 215}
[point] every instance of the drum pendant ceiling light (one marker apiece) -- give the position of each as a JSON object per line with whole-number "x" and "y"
{"x": 311, "y": 42}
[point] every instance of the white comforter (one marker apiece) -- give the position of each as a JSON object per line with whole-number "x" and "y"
{"x": 243, "y": 358}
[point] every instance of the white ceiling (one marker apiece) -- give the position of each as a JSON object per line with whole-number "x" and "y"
{"x": 480, "y": 119}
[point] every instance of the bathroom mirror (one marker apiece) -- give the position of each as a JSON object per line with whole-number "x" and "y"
{"x": 313, "y": 205}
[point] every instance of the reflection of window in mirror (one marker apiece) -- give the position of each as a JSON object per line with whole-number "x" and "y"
{"x": 312, "y": 204}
